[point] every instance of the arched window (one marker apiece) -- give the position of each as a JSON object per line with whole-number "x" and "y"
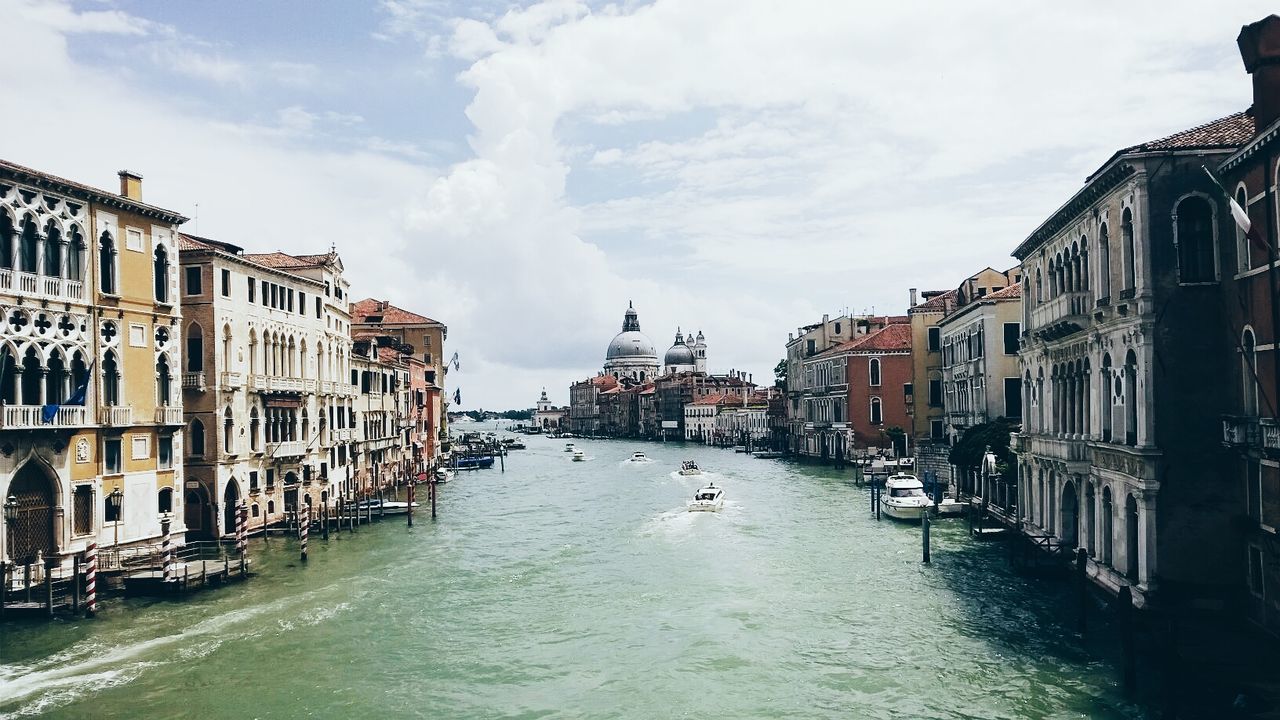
{"x": 1108, "y": 397}
{"x": 75, "y": 256}
{"x": 195, "y": 348}
{"x": 162, "y": 274}
{"x": 52, "y": 250}
{"x": 877, "y": 413}
{"x": 1194, "y": 228}
{"x": 107, "y": 264}
{"x": 1130, "y": 252}
{"x": 1053, "y": 279}
{"x": 164, "y": 500}
{"x": 55, "y": 385}
{"x": 110, "y": 378}
{"x": 1090, "y": 519}
{"x": 6, "y": 241}
{"x": 226, "y": 348}
{"x": 1107, "y": 524}
{"x": 27, "y": 247}
{"x": 253, "y": 352}
{"x": 1244, "y": 261}
{"x": 228, "y": 432}
{"x": 1249, "y": 372}
{"x": 1104, "y": 263}
{"x": 164, "y": 383}
{"x": 873, "y": 371}
{"x": 1131, "y": 399}
{"x": 1082, "y": 272}
{"x": 255, "y": 427}
{"x": 1131, "y": 537}
{"x": 196, "y": 444}
{"x": 306, "y": 427}
{"x": 1039, "y": 287}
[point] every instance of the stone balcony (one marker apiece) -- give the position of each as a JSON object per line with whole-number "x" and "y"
{"x": 231, "y": 380}
{"x": 1061, "y": 316}
{"x": 1251, "y": 433}
{"x": 284, "y": 384}
{"x": 41, "y": 286}
{"x": 169, "y": 415}
{"x": 30, "y": 417}
{"x": 292, "y": 448}
{"x": 193, "y": 381}
{"x": 1074, "y": 450}
{"x": 116, "y": 416}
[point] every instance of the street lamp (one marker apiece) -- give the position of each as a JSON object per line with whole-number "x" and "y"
{"x": 115, "y": 501}
{"x": 988, "y": 472}
{"x": 10, "y": 516}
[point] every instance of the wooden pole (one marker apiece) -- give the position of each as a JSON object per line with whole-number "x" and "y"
{"x": 4, "y": 584}
{"x": 75, "y": 584}
{"x": 48, "y": 585}
{"x": 1125, "y": 618}
{"x": 409, "y": 509}
{"x": 302, "y": 532}
{"x": 1082, "y": 589}
{"x": 432, "y": 490}
{"x": 924, "y": 534}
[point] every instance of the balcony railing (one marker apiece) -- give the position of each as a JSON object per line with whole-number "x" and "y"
{"x": 169, "y": 415}
{"x": 1242, "y": 432}
{"x": 309, "y": 386}
{"x": 258, "y": 382}
{"x": 25, "y": 283}
{"x": 31, "y": 416}
{"x": 1070, "y": 450}
{"x": 193, "y": 381}
{"x": 328, "y": 387}
{"x": 1062, "y": 315}
{"x": 116, "y": 416}
{"x": 231, "y": 380}
{"x": 292, "y": 448}
{"x": 281, "y": 384}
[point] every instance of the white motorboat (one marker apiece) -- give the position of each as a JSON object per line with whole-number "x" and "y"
{"x": 689, "y": 467}
{"x": 579, "y": 456}
{"x": 707, "y": 499}
{"x": 903, "y": 498}
{"x": 568, "y": 447}
{"x": 639, "y": 457}
{"x": 386, "y": 507}
{"x": 443, "y": 475}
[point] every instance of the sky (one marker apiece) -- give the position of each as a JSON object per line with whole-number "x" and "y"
{"x": 522, "y": 171}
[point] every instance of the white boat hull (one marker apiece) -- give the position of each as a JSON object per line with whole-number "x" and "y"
{"x": 706, "y": 505}
{"x": 690, "y": 472}
{"x": 904, "y": 512}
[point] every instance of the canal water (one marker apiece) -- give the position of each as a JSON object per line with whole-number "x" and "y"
{"x": 585, "y": 590}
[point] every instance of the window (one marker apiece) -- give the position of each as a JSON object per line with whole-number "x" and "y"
{"x": 1253, "y": 489}
{"x": 164, "y": 382}
{"x": 82, "y": 510}
{"x": 1249, "y": 372}
{"x": 195, "y": 348}
{"x": 935, "y": 429}
{"x": 1243, "y": 251}
{"x": 226, "y": 283}
{"x": 935, "y": 393}
{"x": 1013, "y": 398}
{"x": 271, "y": 479}
{"x": 111, "y": 456}
{"x": 161, "y": 274}
{"x": 133, "y": 239}
{"x": 164, "y": 452}
{"x": 877, "y": 411}
{"x": 1130, "y": 252}
{"x": 290, "y": 294}
{"x": 107, "y": 264}
{"x": 1011, "y": 333}
{"x": 164, "y": 500}
{"x": 110, "y": 379}
{"x": 193, "y": 280}
{"x": 1256, "y": 577}
{"x": 253, "y": 286}
{"x": 302, "y": 303}
{"x": 196, "y": 436}
{"x": 319, "y": 309}
{"x": 873, "y": 371}
{"x": 266, "y": 299}
{"x": 1194, "y": 233}
{"x": 907, "y": 391}
{"x": 935, "y": 339}
{"x": 253, "y": 481}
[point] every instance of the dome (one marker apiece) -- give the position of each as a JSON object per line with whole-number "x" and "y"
{"x": 679, "y": 354}
{"x": 631, "y": 343}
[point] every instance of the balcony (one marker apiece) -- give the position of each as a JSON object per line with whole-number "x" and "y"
{"x": 53, "y": 288}
{"x": 348, "y": 389}
{"x": 168, "y": 415}
{"x": 193, "y": 381}
{"x": 1073, "y": 451}
{"x": 1241, "y": 432}
{"x": 328, "y": 387}
{"x": 231, "y": 380}
{"x": 280, "y": 384}
{"x": 292, "y": 448}
{"x": 18, "y": 417}
{"x": 1061, "y": 316}
{"x": 344, "y": 435}
{"x": 309, "y": 386}
{"x": 258, "y": 382}
{"x": 116, "y": 416}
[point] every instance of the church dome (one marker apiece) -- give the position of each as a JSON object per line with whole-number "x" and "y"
{"x": 631, "y": 343}
{"x": 679, "y": 354}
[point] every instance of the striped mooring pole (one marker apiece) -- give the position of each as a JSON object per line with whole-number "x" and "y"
{"x": 302, "y": 531}
{"x": 166, "y": 550}
{"x": 91, "y": 580}
{"x": 242, "y": 528}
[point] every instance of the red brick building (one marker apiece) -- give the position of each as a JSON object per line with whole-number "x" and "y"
{"x": 879, "y": 371}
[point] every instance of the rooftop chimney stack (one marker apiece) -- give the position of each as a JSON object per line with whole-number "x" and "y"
{"x": 913, "y": 298}
{"x": 130, "y": 185}
{"x": 1259, "y": 45}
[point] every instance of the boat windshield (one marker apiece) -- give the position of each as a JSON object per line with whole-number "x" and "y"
{"x": 705, "y": 496}
{"x": 906, "y": 492}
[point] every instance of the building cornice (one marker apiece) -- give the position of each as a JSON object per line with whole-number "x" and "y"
{"x": 87, "y": 193}
{"x": 1259, "y": 142}
{"x": 1120, "y": 169}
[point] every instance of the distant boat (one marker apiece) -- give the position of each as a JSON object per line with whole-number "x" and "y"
{"x": 568, "y": 447}
{"x": 386, "y": 507}
{"x": 707, "y": 499}
{"x": 579, "y": 456}
{"x": 639, "y": 457}
{"x": 689, "y": 467}
{"x": 769, "y": 454}
{"x": 739, "y": 448}
{"x": 443, "y": 475}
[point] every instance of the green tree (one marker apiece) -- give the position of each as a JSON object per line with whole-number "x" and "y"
{"x": 780, "y": 375}
{"x": 898, "y": 437}
{"x": 968, "y": 451}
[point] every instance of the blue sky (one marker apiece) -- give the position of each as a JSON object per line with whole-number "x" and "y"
{"x": 521, "y": 172}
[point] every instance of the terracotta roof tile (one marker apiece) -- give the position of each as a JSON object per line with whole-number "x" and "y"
{"x": 937, "y": 303}
{"x": 891, "y": 338}
{"x": 191, "y": 242}
{"x": 284, "y": 261}
{"x": 98, "y": 195}
{"x": 1013, "y": 291}
{"x": 1228, "y": 132}
{"x": 389, "y": 314}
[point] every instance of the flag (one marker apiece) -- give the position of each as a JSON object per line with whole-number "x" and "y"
{"x": 457, "y": 396}
{"x": 50, "y": 411}
{"x": 1240, "y": 216}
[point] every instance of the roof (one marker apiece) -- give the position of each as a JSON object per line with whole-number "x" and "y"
{"x": 194, "y": 243}
{"x": 1012, "y": 292}
{"x": 1227, "y": 133}
{"x": 937, "y": 303}
{"x": 713, "y": 399}
{"x": 381, "y": 312}
{"x": 285, "y": 261}
{"x": 891, "y": 338}
{"x": 390, "y": 354}
{"x": 87, "y": 192}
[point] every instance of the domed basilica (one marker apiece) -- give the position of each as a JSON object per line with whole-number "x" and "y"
{"x": 631, "y": 353}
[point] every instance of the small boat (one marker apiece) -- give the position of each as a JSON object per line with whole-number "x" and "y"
{"x": 639, "y": 457}
{"x": 514, "y": 444}
{"x": 950, "y": 507}
{"x": 443, "y": 475}
{"x": 568, "y": 447}
{"x": 768, "y": 455}
{"x": 739, "y": 448}
{"x": 689, "y": 467}
{"x": 385, "y": 507}
{"x": 707, "y": 499}
{"x": 473, "y": 462}
{"x": 903, "y": 498}
{"x": 579, "y": 456}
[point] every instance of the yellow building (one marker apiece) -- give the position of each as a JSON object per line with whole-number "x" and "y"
{"x": 88, "y": 366}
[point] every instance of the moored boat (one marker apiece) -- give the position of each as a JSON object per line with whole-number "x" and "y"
{"x": 903, "y": 498}
{"x": 443, "y": 475}
{"x": 473, "y": 462}
{"x": 689, "y": 467}
{"x": 768, "y": 455}
{"x": 707, "y": 499}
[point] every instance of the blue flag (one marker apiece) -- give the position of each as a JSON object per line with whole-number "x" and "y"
{"x": 457, "y": 397}
{"x": 50, "y": 411}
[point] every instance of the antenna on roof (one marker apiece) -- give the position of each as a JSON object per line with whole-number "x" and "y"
{"x": 195, "y": 221}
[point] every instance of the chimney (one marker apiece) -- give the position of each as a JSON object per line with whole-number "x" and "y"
{"x": 913, "y": 298}
{"x": 130, "y": 185}
{"x": 1259, "y": 45}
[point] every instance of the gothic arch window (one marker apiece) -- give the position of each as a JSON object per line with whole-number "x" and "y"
{"x": 1053, "y": 278}
{"x": 28, "y": 246}
{"x": 1127, "y": 246}
{"x": 1244, "y": 261}
{"x": 877, "y": 411}
{"x": 6, "y": 241}
{"x": 1131, "y": 398}
{"x": 253, "y": 351}
{"x": 107, "y": 264}
{"x": 164, "y": 381}
{"x": 162, "y": 274}
{"x": 1082, "y": 272}
{"x": 1108, "y": 397}
{"x": 75, "y": 256}
{"x": 110, "y": 378}
{"x": 56, "y": 376}
{"x": 1194, "y": 233}
{"x": 195, "y": 348}
{"x": 1108, "y": 513}
{"x": 228, "y": 432}
{"x": 306, "y": 427}
{"x": 255, "y": 428}
{"x": 873, "y": 371}
{"x": 1039, "y": 287}
{"x": 1249, "y": 372}
{"x": 196, "y": 446}
{"x": 52, "y": 250}
{"x": 1104, "y": 262}
{"x": 226, "y": 348}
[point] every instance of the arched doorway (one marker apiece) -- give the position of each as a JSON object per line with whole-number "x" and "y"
{"x": 1091, "y": 519}
{"x": 1070, "y": 515}
{"x": 31, "y": 532}
{"x": 230, "y": 502}
{"x": 1131, "y": 537}
{"x": 195, "y": 513}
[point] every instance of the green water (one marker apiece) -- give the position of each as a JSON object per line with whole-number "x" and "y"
{"x": 561, "y": 589}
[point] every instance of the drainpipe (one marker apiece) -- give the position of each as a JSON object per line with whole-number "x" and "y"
{"x": 1271, "y": 273}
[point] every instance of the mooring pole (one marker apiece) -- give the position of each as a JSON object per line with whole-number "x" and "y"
{"x": 75, "y": 584}
{"x": 302, "y": 533}
{"x": 1125, "y": 613}
{"x": 924, "y": 533}
{"x": 90, "y": 580}
{"x": 409, "y": 514}
{"x": 432, "y": 490}
{"x": 1082, "y": 589}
